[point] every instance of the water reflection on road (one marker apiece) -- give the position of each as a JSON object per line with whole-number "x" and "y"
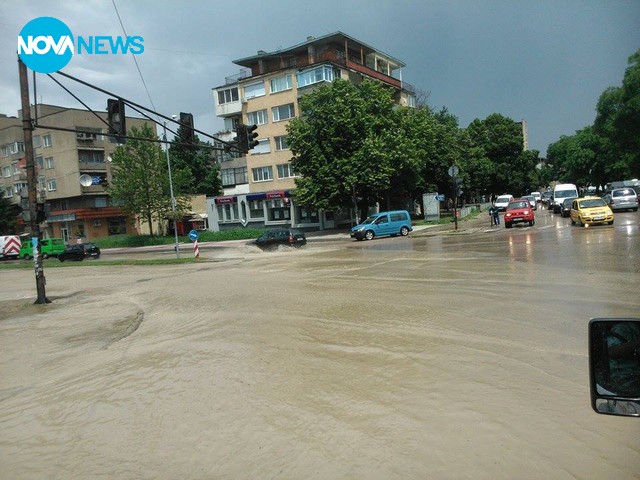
{"x": 449, "y": 356}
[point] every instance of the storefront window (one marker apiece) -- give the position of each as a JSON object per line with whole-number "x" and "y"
{"x": 277, "y": 210}
{"x": 256, "y": 209}
{"x": 306, "y": 216}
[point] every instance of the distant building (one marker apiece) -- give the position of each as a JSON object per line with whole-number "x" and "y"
{"x": 74, "y": 211}
{"x": 258, "y": 187}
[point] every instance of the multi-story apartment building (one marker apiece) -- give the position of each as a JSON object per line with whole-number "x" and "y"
{"x": 74, "y": 211}
{"x": 258, "y": 187}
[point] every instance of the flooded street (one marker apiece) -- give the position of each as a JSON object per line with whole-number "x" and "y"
{"x": 428, "y": 357}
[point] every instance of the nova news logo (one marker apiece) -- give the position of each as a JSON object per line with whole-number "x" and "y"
{"x": 46, "y": 45}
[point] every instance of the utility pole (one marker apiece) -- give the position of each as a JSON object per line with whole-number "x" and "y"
{"x": 32, "y": 183}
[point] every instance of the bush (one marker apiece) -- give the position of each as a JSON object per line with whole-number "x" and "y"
{"x": 128, "y": 241}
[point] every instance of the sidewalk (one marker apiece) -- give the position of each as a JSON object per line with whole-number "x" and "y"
{"x": 465, "y": 226}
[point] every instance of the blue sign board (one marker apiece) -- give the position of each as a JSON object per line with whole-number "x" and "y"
{"x": 440, "y": 197}
{"x": 193, "y": 235}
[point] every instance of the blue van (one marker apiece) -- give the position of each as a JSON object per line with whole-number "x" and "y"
{"x": 397, "y": 222}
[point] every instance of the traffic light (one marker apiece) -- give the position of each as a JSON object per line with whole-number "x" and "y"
{"x": 186, "y": 134}
{"x": 251, "y": 135}
{"x": 241, "y": 137}
{"x": 116, "y": 119}
{"x": 41, "y": 216}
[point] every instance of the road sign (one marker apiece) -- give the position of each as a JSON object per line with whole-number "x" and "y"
{"x": 453, "y": 171}
{"x": 440, "y": 197}
{"x": 193, "y": 235}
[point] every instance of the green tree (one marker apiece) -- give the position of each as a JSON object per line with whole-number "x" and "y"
{"x": 618, "y": 123}
{"x": 140, "y": 182}
{"x": 499, "y": 140}
{"x": 351, "y": 145}
{"x": 8, "y": 215}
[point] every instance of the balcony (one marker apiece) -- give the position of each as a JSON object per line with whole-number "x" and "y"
{"x": 93, "y": 189}
{"x": 229, "y": 109}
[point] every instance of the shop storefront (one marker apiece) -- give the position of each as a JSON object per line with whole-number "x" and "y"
{"x": 269, "y": 209}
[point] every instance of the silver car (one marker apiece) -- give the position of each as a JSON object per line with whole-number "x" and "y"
{"x": 622, "y": 199}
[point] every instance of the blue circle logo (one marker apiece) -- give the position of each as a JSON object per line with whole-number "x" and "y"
{"x": 45, "y": 45}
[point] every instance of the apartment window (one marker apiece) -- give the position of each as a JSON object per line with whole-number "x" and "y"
{"x": 234, "y": 176}
{"x": 12, "y": 148}
{"x": 228, "y": 95}
{"x": 51, "y": 185}
{"x": 37, "y": 141}
{"x": 92, "y": 133}
{"x": 262, "y": 174}
{"x": 17, "y": 187}
{"x": 281, "y": 83}
{"x": 6, "y": 172}
{"x": 8, "y": 192}
{"x": 281, "y": 143}
{"x": 41, "y": 183}
{"x": 46, "y": 140}
{"x": 91, "y": 156}
{"x": 283, "y": 112}
{"x": 285, "y": 170}
{"x": 254, "y": 90}
{"x": 40, "y": 161}
{"x": 319, "y": 74}
{"x": 16, "y": 168}
{"x": 263, "y": 147}
{"x": 257, "y": 118}
{"x": 227, "y": 177}
{"x": 49, "y": 163}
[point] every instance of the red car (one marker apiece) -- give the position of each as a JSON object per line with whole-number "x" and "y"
{"x": 519, "y": 211}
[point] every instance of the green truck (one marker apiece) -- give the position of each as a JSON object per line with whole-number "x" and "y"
{"x": 49, "y": 247}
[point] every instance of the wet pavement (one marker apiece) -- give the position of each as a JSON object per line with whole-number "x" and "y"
{"x": 446, "y": 356}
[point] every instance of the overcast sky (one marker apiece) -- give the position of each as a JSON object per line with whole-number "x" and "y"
{"x": 546, "y": 62}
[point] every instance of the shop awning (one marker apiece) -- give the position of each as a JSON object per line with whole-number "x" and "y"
{"x": 224, "y": 200}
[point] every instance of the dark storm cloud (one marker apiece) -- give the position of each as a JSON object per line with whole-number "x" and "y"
{"x": 546, "y": 62}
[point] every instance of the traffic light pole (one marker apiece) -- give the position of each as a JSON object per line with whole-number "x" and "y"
{"x": 455, "y": 202}
{"x": 32, "y": 183}
{"x": 173, "y": 199}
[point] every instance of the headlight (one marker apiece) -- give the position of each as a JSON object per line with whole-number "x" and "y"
{"x": 507, "y": 215}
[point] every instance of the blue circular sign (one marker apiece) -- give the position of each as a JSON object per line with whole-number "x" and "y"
{"x": 193, "y": 235}
{"x": 45, "y": 45}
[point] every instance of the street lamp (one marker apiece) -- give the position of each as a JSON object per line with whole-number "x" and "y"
{"x": 173, "y": 199}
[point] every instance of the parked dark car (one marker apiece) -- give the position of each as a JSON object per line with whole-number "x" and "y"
{"x": 288, "y": 236}
{"x": 79, "y": 252}
{"x": 565, "y": 208}
{"x": 73, "y": 252}
{"x": 92, "y": 250}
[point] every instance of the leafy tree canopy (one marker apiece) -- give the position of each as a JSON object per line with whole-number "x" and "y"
{"x": 140, "y": 181}
{"x": 8, "y": 216}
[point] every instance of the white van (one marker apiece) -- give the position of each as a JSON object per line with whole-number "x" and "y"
{"x": 561, "y": 192}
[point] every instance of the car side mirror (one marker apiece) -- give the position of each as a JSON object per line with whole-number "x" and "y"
{"x": 614, "y": 366}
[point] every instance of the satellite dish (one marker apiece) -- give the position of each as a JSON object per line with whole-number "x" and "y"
{"x": 86, "y": 180}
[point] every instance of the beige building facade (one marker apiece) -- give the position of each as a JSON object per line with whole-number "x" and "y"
{"x": 75, "y": 212}
{"x": 258, "y": 187}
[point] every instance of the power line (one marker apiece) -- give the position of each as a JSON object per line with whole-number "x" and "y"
{"x": 134, "y": 57}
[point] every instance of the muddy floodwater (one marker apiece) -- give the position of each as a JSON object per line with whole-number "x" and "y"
{"x": 391, "y": 359}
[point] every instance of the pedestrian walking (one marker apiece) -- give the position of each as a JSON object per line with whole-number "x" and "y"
{"x": 494, "y": 213}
